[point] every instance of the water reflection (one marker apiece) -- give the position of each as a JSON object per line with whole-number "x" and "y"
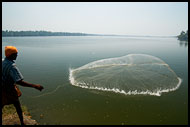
{"x": 183, "y": 43}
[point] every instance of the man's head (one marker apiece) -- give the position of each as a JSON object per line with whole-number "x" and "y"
{"x": 11, "y": 52}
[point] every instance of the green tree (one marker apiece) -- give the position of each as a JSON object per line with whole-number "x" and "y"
{"x": 183, "y": 36}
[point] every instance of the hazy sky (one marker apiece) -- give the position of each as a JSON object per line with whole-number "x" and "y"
{"x": 126, "y": 18}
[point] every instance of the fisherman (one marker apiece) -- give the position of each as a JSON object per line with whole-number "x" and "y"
{"x": 10, "y": 77}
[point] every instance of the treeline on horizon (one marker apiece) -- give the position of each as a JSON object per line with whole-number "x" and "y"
{"x": 183, "y": 36}
{"x": 7, "y": 33}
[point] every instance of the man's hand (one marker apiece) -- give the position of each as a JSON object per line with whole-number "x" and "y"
{"x": 39, "y": 87}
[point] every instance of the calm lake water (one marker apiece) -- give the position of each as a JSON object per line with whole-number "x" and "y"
{"x": 47, "y": 60}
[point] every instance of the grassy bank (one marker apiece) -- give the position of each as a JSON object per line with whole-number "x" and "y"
{"x": 10, "y": 117}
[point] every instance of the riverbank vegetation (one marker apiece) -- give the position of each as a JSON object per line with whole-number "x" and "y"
{"x": 10, "y": 117}
{"x": 7, "y": 33}
{"x": 183, "y": 36}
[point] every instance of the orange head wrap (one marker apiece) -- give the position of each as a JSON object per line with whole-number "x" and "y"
{"x": 10, "y": 50}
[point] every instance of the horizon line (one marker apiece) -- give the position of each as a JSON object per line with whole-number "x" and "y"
{"x": 94, "y": 33}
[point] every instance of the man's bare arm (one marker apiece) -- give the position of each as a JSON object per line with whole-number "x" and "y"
{"x": 26, "y": 84}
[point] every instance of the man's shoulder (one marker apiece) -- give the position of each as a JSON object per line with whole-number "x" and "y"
{"x": 6, "y": 62}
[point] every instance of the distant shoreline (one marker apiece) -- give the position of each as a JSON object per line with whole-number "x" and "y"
{"x": 41, "y": 33}
{"x": 7, "y": 33}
